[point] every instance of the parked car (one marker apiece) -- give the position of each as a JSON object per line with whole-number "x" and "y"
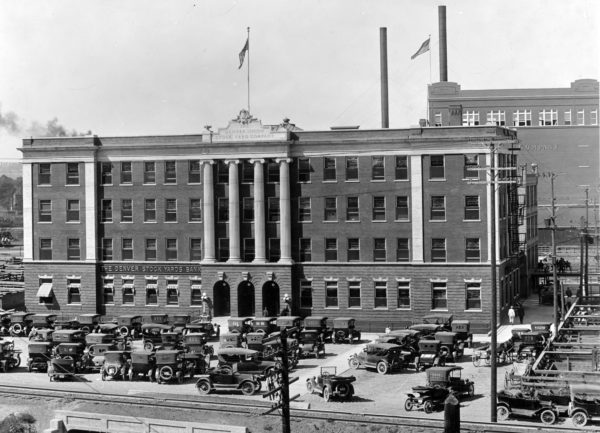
{"x": 93, "y": 357}
{"x": 4, "y": 322}
{"x": 204, "y": 324}
{"x": 227, "y": 377}
{"x": 482, "y": 355}
{"x": 265, "y": 325}
{"x": 116, "y": 365}
{"x": 66, "y": 324}
{"x": 41, "y": 335}
{"x": 318, "y": 323}
{"x": 151, "y": 334}
{"x": 542, "y": 327}
{"x": 463, "y": 331}
{"x": 20, "y": 324}
{"x": 530, "y": 345}
{"x": 197, "y": 343}
{"x": 68, "y": 336}
{"x": 291, "y": 324}
{"x": 517, "y": 403}
{"x": 74, "y": 351}
{"x": 344, "y": 330}
{"x": 254, "y": 341}
{"x": 122, "y": 342}
{"x": 43, "y": 320}
{"x": 582, "y": 410}
{"x": 62, "y": 368}
{"x": 9, "y": 356}
{"x": 450, "y": 377}
{"x": 180, "y": 321}
{"x": 88, "y": 322}
{"x": 130, "y": 325}
{"x": 159, "y": 319}
{"x": 427, "y": 330}
{"x": 230, "y": 340}
{"x": 170, "y": 365}
{"x": 170, "y": 340}
{"x": 330, "y": 385}
{"x": 310, "y": 343}
{"x": 40, "y": 353}
{"x": 142, "y": 364}
{"x": 428, "y": 398}
{"x": 239, "y": 325}
{"x": 384, "y": 357}
{"x": 442, "y": 319}
{"x": 408, "y": 338}
{"x": 451, "y": 347}
{"x": 430, "y": 354}
{"x": 247, "y": 361}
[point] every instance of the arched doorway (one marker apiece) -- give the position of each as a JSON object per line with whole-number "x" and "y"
{"x": 245, "y": 298}
{"x": 222, "y": 301}
{"x": 270, "y": 298}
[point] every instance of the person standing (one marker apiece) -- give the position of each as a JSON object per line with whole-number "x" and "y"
{"x": 511, "y": 315}
{"x": 521, "y": 312}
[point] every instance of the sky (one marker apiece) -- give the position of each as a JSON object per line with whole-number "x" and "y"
{"x": 150, "y": 67}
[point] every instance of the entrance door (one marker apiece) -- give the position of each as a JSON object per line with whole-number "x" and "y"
{"x": 221, "y": 299}
{"x": 245, "y": 298}
{"x": 270, "y": 298}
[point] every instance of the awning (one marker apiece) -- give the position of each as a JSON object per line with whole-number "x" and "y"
{"x": 151, "y": 286}
{"x": 45, "y": 290}
{"x": 171, "y": 286}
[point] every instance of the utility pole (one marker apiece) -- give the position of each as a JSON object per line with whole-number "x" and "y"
{"x": 494, "y": 339}
{"x": 554, "y": 276}
{"x": 587, "y": 245}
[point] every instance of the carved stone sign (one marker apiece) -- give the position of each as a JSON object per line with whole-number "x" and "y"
{"x": 246, "y": 127}
{"x": 135, "y": 268}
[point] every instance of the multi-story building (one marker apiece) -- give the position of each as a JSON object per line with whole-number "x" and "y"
{"x": 382, "y": 225}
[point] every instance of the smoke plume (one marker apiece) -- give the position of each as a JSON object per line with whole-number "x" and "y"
{"x": 11, "y": 122}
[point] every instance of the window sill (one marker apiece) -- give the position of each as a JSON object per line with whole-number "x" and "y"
{"x": 170, "y": 184}
{"x": 379, "y": 221}
{"x": 304, "y": 181}
{"x": 377, "y": 180}
{"x": 330, "y": 181}
{"x": 438, "y": 180}
{"x": 401, "y": 180}
{"x": 402, "y": 221}
{"x": 44, "y": 222}
{"x": 73, "y": 222}
{"x": 330, "y": 221}
{"x": 109, "y": 305}
{"x": 171, "y": 222}
{"x": 438, "y": 310}
{"x": 438, "y": 221}
{"x": 44, "y": 185}
{"x": 106, "y": 184}
{"x": 149, "y": 222}
{"x": 472, "y": 221}
{"x": 200, "y": 222}
{"x": 304, "y": 222}
{"x": 352, "y": 180}
{"x": 473, "y": 311}
{"x": 172, "y": 306}
{"x": 332, "y": 308}
{"x": 149, "y": 184}
{"x": 74, "y": 304}
{"x": 467, "y": 179}
{"x": 403, "y": 308}
{"x": 353, "y": 221}
{"x": 126, "y": 184}
{"x": 381, "y": 308}
{"x": 71, "y": 184}
{"x": 126, "y": 222}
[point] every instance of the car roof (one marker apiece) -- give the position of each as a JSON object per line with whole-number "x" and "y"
{"x": 445, "y": 368}
{"x": 382, "y": 345}
{"x": 425, "y": 326}
{"x": 155, "y": 325}
{"x": 315, "y": 317}
{"x": 236, "y": 351}
{"x": 445, "y": 333}
{"x": 342, "y": 318}
{"x": 265, "y": 318}
{"x": 240, "y": 318}
{"x": 68, "y": 331}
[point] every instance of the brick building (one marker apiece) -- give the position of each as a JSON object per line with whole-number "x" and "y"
{"x": 382, "y": 225}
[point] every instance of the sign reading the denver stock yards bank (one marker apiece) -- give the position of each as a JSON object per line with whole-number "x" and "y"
{"x": 246, "y": 128}
{"x": 151, "y": 269}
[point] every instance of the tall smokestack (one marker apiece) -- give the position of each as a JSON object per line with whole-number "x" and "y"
{"x": 443, "y": 48}
{"x": 385, "y": 118}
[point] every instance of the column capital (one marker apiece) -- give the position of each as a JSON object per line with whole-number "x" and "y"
{"x": 280, "y": 160}
{"x": 207, "y": 161}
{"x": 259, "y": 160}
{"x": 232, "y": 161}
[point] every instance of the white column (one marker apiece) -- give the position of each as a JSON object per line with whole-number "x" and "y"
{"x": 234, "y": 212}
{"x": 285, "y": 235}
{"x": 208, "y": 210}
{"x": 27, "y": 211}
{"x": 416, "y": 206}
{"x": 91, "y": 219}
{"x": 259, "y": 211}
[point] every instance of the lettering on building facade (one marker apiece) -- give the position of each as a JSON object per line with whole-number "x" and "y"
{"x": 154, "y": 269}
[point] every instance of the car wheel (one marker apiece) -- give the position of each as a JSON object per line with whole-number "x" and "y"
{"x": 471, "y": 392}
{"x": 166, "y": 373}
{"x": 248, "y": 388}
{"x": 104, "y": 375}
{"x": 476, "y": 361}
{"x": 327, "y": 393}
{"x": 579, "y": 419}
{"x": 157, "y": 375}
{"x": 428, "y": 406}
{"x": 354, "y": 363}
{"x": 382, "y": 367}
{"x": 258, "y": 385}
{"x": 203, "y": 387}
{"x": 309, "y": 386}
{"x": 148, "y": 346}
{"x": 408, "y": 404}
{"x": 130, "y": 375}
{"x": 548, "y": 417}
{"x": 29, "y": 367}
{"x": 502, "y": 412}
{"x": 343, "y": 390}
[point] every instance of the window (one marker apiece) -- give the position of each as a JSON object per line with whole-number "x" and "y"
{"x": 470, "y": 118}
{"x": 196, "y": 249}
{"x": 247, "y": 172}
{"x": 473, "y": 294}
{"x": 581, "y": 117}
{"x": 381, "y": 294}
{"x": 402, "y": 250}
{"x": 249, "y": 250}
{"x": 223, "y": 249}
{"x": 378, "y": 208}
{"x": 170, "y": 210}
{"x": 594, "y": 117}
{"x": 353, "y": 249}
{"x": 106, "y": 211}
{"x": 401, "y": 171}
{"x": 126, "y": 173}
{"x": 128, "y": 291}
{"x": 73, "y": 288}
{"x": 438, "y": 208}
{"x": 107, "y": 249}
{"x": 379, "y": 252}
{"x": 436, "y": 170}
{"x": 73, "y": 249}
{"x": 437, "y": 119}
{"x": 273, "y": 204}
{"x": 170, "y": 172}
{"x": 45, "y": 249}
{"x": 172, "y": 292}
{"x": 196, "y": 292}
{"x": 47, "y": 297}
{"x": 377, "y": 168}
{"x": 304, "y": 211}
{"x": 303, "y": 170}
{"x": 106, "y": 173}
{"x": 150, "y": 250}
{"x": 472, "y": 250}
{"x": 274, "y": 249}
{"x": 497, "y": 118}
{"x": 195, "y": 210}
{"x": 272, "y": 172}
{"x": 108, "y": 291}
{"x": 331, "y": 294}
{"x": 354, "y": 294}
{"x": 471, "y": 165}
{"x": 306, "y": 294}
{"x": 439, "y": 295}
{"x": 194, "y": 171}
{"x": 329, "y": 170}
{"x": 127, "y": 249}
{"x": 248, "y": 209}
{"x": 222, "y": 172}
{"x": 126, "y": 210}
{"x": 149, "y": 210}
{"x": 171, "y": 249}
{"x": 45, "y": 211}
{"x": 44, "y": 174}
{"x": 472, "y": 207}
{"x": 72, "y": 211}
{"x": 330, "y": 249}
{"x": 305, "y": 250}
{"x": 151, "y": 292}
{"x": 351, "y": 168}
{"x": 72, "y": 173}
{"x": 401, "y": 208}
{"x": 548, "y": 117}
{"x": 352, "y": 212}
{"x": 522, "y": 118}
{"x": 567, "y": 118}
{"x": 438, "y": 250}
{"x": 149, "y": 172}
{"x": 403, "y": 294}
{"x": 330, "y": 209}
{"x": 223, "y": 209}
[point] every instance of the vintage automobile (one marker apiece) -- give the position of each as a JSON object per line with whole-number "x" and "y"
{"x": 265, "y": 325}
{"x": 248, "y": 361}
{"x": 428, "y": 398}
{"x": 170, "y": 340}
{"x": 88, "y": 322}
{"x": 273, "y": 350}
{"x": 116, "y": 365}
{"x": 430, "y": 354}
{"x": 204, "y": 324}
{"x": 427, "y": 330}
{"x": 542, "y": 327}
{"x": 74, "y": 351}
{"x": 330, "y": 385}
{"x": 310, "y": 344}
{"x": 230, "y": 340}
{"x": 68, "y": 336}
{"x": 442, "y": 319}
{"x": 255, "y": 341}
{"x": 171, "y": 365}
{"x": 318, "y": 323}
{"x": 482, "y": 355}
{"x": 151, "y": 334}
{"x": 142, "y": 364}
{"x": 517, "y": 403}
{"x": 9, "y": 356}
{"x": 409, "y": 338}
{"x": 180, "y": 321}
{"x": 530, "y": 345}
{"x": 113, "y": 330}
{"x": 40, "y": 353}
{"x": 584, "y": 409}
{"x": 450, "y": 378}
{"x": 93, "y": 356}
{"x": 4, "y": 322}
{"x": 62, "y": 368}
{"x": 43, "y": 320}
{"x": 463, "y": 330}
{"x": 130, "y": 325}
{"x": 344, "y": 330}
{"x": 159, "y": 319}
{"x": 384, "y": 357}
{"x": 66, "y": 324}
{"x": 239, "y": 325}
{"x": 20, "y": 324}
{"x": 451, "y": 346}
{"x": 226, "y": 377}
{"x": 291, "y": 324}
{"x": 41, "y": 334}
{"x": 196, "y": 342}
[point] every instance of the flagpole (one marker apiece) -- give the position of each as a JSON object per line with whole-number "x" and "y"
{"x": 248, "y": 69}
{"x": 430, "y": 60}
{"x": 427, "y": 115}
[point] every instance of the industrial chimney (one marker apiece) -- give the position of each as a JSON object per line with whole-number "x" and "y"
{"x": 443, "y": 48}
{"x": 385, "y": 118}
